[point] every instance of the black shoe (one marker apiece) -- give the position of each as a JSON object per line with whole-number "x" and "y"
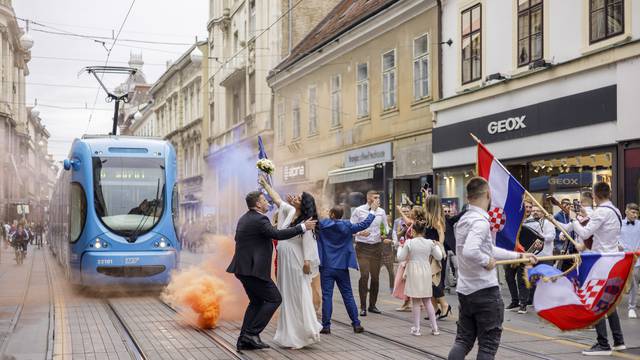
{"x": 363, "y": 312}
{"x": 325, "y": 331}
{"x": 522, "y": 309}
{"x": 263, "y": 345}
{"x": 373, "y": 309}
{"x": 358, "y": 329}
{"x": 512, "y": 306}
{"x": 250, "y": 342}
{"x": 446, "y": 314}
{"x": 597, "y": 349}
{"x": 619, "y": 347}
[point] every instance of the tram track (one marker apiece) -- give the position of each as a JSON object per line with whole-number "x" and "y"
{"x": 414, "y": 349}
{"x": 218, "y": 340}
{"x": 133, "y": 345}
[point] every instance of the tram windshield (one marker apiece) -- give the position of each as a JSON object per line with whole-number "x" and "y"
{"x": 129, "y": 193}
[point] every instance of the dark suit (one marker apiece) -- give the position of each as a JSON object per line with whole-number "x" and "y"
{"x": 251, "y": 264}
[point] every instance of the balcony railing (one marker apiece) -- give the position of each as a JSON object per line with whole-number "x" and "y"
{"x": 233, "y": 71}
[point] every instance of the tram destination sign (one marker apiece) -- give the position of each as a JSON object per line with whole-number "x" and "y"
{"x": 583, "y": 109}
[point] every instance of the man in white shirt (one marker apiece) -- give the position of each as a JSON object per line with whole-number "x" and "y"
{"x": 604, "y": 225}
{"x": 481, "y": 306}
{"x": 630, "y": 240}
{"x": 369, "y": 252}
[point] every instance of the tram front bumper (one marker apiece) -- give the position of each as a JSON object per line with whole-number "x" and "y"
{"x": 135, "y": 268}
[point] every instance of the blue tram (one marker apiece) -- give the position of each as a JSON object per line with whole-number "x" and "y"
{"x": 114, "y": 210}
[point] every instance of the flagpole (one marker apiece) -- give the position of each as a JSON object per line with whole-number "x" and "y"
{"x": 546, "y": 214}
{"x": 554, "y": 221}
{"x": 540, "y": 259}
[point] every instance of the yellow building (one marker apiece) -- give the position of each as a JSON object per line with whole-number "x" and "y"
{"x": 352, "y": 103}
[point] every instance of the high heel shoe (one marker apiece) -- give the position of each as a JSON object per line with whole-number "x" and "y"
{"x": 438, "y": 312}
{"x": 446, "y": 314}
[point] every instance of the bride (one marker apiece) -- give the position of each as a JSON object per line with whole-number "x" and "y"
{"x": 298, "y": 263}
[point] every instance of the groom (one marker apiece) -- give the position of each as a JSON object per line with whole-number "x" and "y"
{"x": 251, "y": 264}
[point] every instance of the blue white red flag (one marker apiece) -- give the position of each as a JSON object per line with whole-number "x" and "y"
{"x": 584, "y": 295}
{"x": 507, "y": 196}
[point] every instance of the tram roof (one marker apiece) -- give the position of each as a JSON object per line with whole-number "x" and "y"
{"x": 113, "y": 143}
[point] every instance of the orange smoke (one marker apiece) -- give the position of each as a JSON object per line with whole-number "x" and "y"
{"x": 205, "y": 293}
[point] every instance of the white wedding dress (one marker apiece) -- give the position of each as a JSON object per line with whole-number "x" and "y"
{"x": 298, "y": 325}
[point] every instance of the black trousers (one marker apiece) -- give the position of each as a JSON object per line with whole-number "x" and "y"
{"x": 517, "y": 286}
{"x": 616, "y": 330}
{"x": 369, "y": 258}
{"x": 264, "y": 300}
{"x": 481, "y": 316}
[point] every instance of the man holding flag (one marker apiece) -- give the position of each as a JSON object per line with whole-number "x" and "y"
{"x": 478, "y": 290}
{"x": 604, "y": 225}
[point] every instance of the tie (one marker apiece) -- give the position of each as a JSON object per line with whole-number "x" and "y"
{"x": 631, "y": 222}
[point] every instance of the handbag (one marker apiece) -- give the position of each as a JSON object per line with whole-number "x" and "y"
{"x": 436, "y": 265}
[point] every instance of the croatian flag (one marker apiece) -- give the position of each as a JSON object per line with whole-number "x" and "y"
{"x": 586, "y": 294}
{"x": 507, "y": 195}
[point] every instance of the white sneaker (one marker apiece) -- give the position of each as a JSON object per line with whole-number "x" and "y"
{"x": 632, "y": 314}
{"x": 619, "y": 347}
{"x": 415, "y": 331}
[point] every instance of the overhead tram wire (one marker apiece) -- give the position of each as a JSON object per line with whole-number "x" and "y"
{"x": 97, "y": 37}
{"x": 95, "y": 101}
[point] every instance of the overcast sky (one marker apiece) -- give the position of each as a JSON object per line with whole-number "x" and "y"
{"x": 56, "y": 82}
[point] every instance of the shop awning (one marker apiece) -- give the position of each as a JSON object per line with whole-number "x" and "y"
{"x": 355, "y": 173}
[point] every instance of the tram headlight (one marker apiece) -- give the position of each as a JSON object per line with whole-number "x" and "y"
{"x": 99, "y": 244}
{"x": 163, "y": 243}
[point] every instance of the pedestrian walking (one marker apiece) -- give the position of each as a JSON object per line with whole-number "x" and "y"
{"x": 481, "y": 308}
{"x": 630, "y": 240}
{"x": 418, "y": 275}
{"x": 369, "y": 253}
{"x": 435, "y": 230}
{"x": 604, "y": 225}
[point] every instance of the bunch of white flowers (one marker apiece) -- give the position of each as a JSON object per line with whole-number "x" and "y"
{"x": 266, "y": 166}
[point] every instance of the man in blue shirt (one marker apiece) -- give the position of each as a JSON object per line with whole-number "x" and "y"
{"x": 630, "y": 240}
{"x": 337, "y": 255}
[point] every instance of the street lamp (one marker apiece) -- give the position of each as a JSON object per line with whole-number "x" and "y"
{"x": 26, "y": 41}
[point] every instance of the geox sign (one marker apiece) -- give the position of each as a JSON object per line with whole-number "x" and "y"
{"x": 557, "y": 114}
{"x": 510, "y": 124}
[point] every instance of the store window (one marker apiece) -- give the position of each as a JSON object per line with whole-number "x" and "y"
{"x": 566, "y": 177}
{"x": 451, "y": 188}
{"x": 530, "y": 31}
{"x": 631, "y": 176}
{"x": 471, "y": 44}
{"x": 606, "y": 19}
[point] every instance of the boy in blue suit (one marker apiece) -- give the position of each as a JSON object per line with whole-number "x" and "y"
{"x": 337, "y": 255}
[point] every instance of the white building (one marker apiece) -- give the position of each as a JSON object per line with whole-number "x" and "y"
{"x": 550, "y": 87}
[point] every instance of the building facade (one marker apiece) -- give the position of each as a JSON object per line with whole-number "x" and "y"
{"x": 352, "y": 103}
{"x": 552, "y": 94}
{"x": 14, "y": 122}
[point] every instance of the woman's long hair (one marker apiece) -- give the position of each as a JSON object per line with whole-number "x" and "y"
{"x": 435, "y": 215}
{"x": 307, "y": 209}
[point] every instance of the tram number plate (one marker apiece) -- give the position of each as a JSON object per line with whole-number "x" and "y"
{"x": 131, "y": 260}
{"x": 105, "y": 261}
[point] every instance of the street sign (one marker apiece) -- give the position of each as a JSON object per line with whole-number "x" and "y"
{"x": 22, "y": 209}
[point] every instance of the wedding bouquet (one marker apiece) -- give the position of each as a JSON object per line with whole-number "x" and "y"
{"x": 266, "y": 166}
